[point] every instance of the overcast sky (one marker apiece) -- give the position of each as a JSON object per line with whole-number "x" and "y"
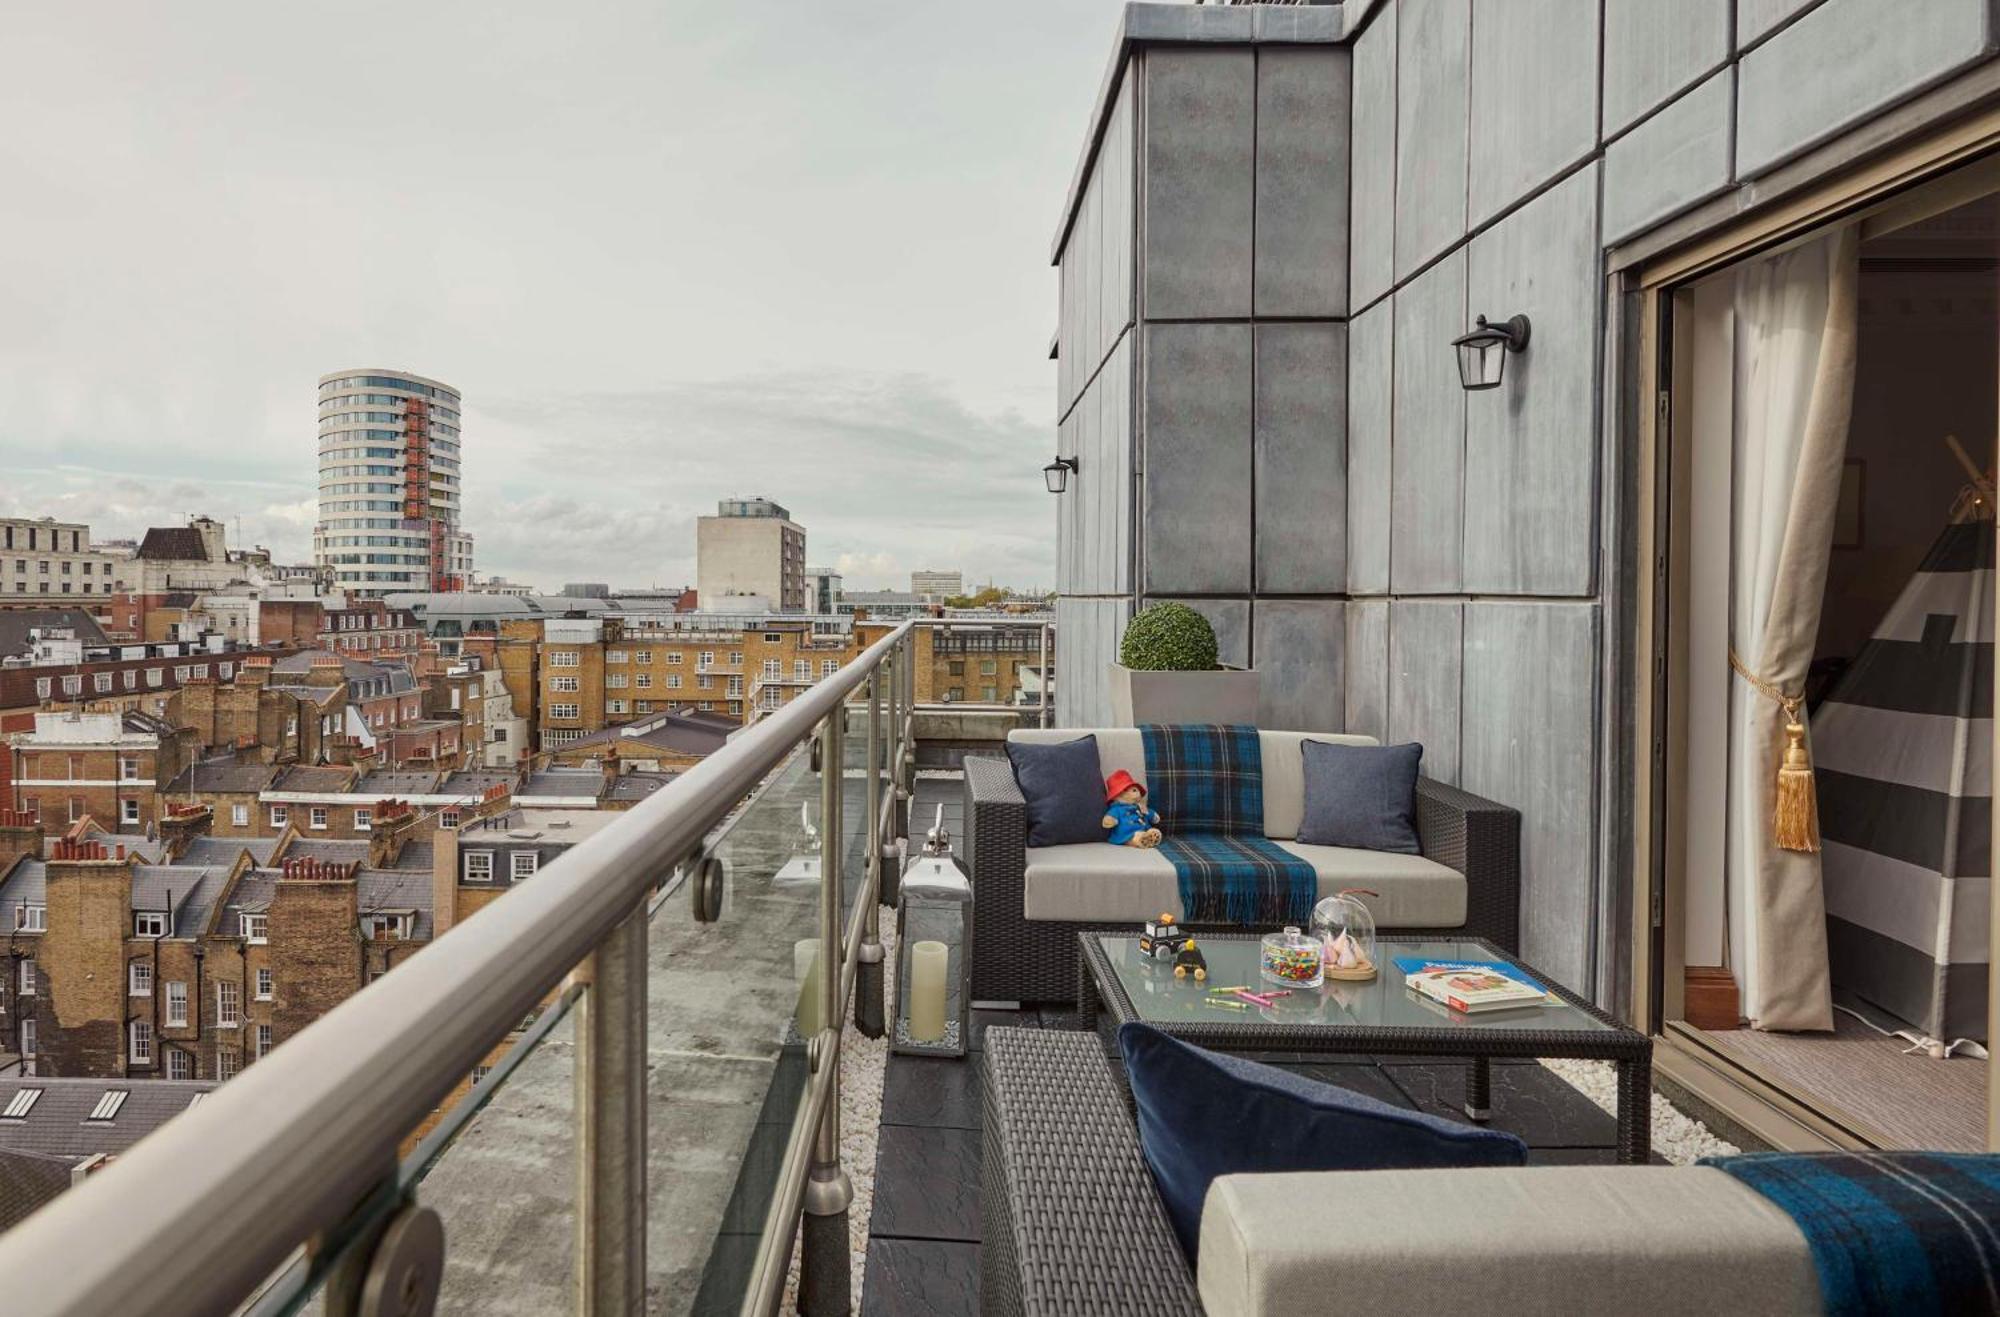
{"x": 670, "y": 251}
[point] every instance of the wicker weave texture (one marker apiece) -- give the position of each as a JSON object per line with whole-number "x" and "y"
{"x": 1018, "y": 959}
{"x": 1072, "y": 1223}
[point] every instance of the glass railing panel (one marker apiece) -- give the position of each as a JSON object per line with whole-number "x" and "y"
{"x": 732, "y": 1004}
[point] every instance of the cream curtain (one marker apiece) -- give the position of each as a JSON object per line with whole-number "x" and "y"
{"x": 1794, "y": 392}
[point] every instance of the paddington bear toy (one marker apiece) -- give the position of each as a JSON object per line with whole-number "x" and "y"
{"x": 1129, "y": 822}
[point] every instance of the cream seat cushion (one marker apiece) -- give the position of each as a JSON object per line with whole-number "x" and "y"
{"x": 1609, "y": 1240}
{"x": 1096, "y": 882}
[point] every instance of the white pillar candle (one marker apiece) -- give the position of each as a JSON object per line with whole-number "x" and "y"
{"x": 805, "y": 968}
{"x": 927, "y": 994}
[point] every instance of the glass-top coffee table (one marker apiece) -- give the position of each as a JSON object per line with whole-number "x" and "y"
{"x": 1380, "y": 1016}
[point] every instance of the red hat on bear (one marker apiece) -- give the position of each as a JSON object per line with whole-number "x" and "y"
{"x": 1116, "y": 784}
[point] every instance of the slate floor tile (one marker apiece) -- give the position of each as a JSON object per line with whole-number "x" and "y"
{"x": 935, "y": 1091}
{"x": 926, "y": 1184}
{"x": 1529, "y": 1101}
{"x": 919, "y": 1277}
{"x": 984, "y": 1020}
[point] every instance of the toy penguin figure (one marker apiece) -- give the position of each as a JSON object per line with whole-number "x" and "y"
{"x": 1126, "y": 818}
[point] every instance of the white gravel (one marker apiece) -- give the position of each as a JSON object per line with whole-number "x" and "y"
{"x": 1678, "y": 1137}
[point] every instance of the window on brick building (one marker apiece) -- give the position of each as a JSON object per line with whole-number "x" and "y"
{"x": 142, "y": 1042}
{"x": 566, "y": 685}
{"x": 827, "y": 667}
{"x": 617, "y": 681}
{"x": 280, "y": 815}
{"x": 28, "y": 1037}
{"x": 142, "y": 978}
{"x": 675, "y": 658}
{"x": 180, "y": 1064}
{"x": 615, "y": 656}
{"x": 149, "y": 923}
{"x": 773, "y": 668}
{"x": 239, "y": 816}
{"x": 645, "y": 681}
{"x": 387, "y": 926}
{"x": 317, "y": 818}
{"x": 645, "y": 656}
{"x": 227, "y": 1062}
{"x": 128, "y": 810}
{"x": 177, "y": 1005}
{"x": 31, "y": 918}
{"x": 228, "y": 1004}
{"x": 478, "y": 866}
{"x": 565, "y": 710}
{"x": 448, "y": 818}
{"x": 267, "y": 983}
{"x": 30, "y": 980}
{"x": 563, "y": 658}
{"x": 522, "y": 864}
{"x": 101, "y": 680}
{"x": 256, "y": 926}
{"x": 364, "y": 819}
{"x": 260, "y": 1046}
{"x": 704, "y": 660}
{"x": 614, "y": 706}
{"x": 644, "y": 706}
{"x": 673, "y": 681}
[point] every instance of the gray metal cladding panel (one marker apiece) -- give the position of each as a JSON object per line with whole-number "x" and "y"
{"x": 1068, "y": 520}
{"x": 1531, "y": 444}
{"x": 1116, "y": 254}
{"x": 1300, "y": 647}
{"x": 1111, "y": 484}
{"x": 1300, "y": 263}
{"x": 1427, "y": 455}
{"x": 1840, "y": 63}
{"x": 1676, "y": 159}
{"x": 1197, "y": 459}
{"x": 1231, "y": 620}
{"x": 1373, "y": 208}
{"x": 1530, "y": 742}
{"x": 1536, "y": 114}
{"x": 1366, "y": 659}
{"x": 1424, "y": 681}
{"x": 1754, "y": 18}
{"x": 1090, "y": 631}
{"x": 1654, "y": 50}
{"x": 1433, "y": 80}
{"x": 1301, "y": 456}
{"x": 1200, "y": 180}
{"x": 1370, "y": 339}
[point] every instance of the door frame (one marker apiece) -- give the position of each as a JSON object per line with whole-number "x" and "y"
{"x": 1938, "y": 169}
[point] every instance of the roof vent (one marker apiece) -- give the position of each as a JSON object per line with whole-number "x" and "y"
{"x": 107, "y": 1106}
{"x": 22, "y": 1103}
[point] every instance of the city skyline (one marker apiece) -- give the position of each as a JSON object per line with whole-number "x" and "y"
{"x": 175, "y": 309}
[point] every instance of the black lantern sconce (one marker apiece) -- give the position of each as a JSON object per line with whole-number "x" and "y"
{"x": 1482, "y": 354}
{"x": 1057, "y": 472}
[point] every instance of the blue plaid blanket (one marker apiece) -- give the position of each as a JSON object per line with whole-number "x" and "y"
{"x": 1207, "y": 782}
{"x": 1890, "y": 1232}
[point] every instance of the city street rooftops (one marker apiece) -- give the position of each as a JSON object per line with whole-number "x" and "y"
{"x": 63, "y": 1121}
{"x": 18, "y": 625}
{"x": 223, "y": 773}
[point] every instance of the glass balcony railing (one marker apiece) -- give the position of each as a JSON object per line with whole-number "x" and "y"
{"x": 612, "y": 1089}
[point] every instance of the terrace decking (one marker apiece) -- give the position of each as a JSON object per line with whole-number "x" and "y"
{"x": 925, "y": 1232}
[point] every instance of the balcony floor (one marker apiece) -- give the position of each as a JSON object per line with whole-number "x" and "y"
{"x": 924, "y": 1234}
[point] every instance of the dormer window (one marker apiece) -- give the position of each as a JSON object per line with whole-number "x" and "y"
{"x": 256, "y": 926}
{"x": 149, "y": 923}
{"x": 479, "y": 866}
{"x": 522, "y": 864}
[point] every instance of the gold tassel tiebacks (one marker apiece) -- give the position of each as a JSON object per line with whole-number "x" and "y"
{"x": 1795, "y": 820}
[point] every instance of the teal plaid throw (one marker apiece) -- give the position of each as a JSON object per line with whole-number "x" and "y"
{"x": 1207, "y": 782}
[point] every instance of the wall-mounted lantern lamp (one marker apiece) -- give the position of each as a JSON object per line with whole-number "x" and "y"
{"x": 1482, "y": 354}
{"x": 1057, "y": 473}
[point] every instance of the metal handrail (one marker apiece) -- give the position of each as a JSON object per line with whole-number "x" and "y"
{"x": 198, "y": 1214}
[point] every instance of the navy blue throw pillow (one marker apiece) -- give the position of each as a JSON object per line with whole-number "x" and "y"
{"x": 1065, "y": 795}
{"x": 1364, "y": 796}
{"x": 1203, "y": 1114}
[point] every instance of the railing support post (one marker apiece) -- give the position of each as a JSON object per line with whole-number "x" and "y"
{"x": 899, "y": 716}
{"x": 611, "y": 1125}
{"x": 868, "y": 977}
{"x": 1042, "y": 699}
{"x": 824, "y": 1282}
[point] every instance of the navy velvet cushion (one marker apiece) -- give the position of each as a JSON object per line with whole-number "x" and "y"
{"x": 1065, "y": 795}
{"x": 1203, "y": 1114}
{"x": 1364, "y": 796}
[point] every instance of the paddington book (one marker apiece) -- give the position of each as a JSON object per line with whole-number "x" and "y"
{"x": 1471, "y": 986}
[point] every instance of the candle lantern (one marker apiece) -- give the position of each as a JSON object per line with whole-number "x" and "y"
{"x": 934, "y": 954}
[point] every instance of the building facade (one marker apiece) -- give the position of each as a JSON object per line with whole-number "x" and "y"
{"x": 390, "y": 484}
{"x": 751, "y": 547}
{"x": 107, "y": 766}
{"x": 936, "y": 587}
{"x": 44, "y": 559}
{"x": 823, "y": 590}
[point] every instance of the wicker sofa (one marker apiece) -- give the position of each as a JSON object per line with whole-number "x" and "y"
{"x": 1032, "y": 903}
{"x": 1074, "y": 1227}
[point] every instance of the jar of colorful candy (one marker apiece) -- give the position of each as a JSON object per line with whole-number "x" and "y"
{"x": 1292, "y": 958}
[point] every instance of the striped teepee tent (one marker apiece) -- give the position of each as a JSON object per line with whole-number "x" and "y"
{"x": 1903, "y": 749}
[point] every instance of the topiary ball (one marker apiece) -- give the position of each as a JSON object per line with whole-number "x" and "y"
{"x": 1168, "y": 638}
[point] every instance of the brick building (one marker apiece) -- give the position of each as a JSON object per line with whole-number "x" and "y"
{"x": 104, "y": 764}
{"x": 369, "y": 628}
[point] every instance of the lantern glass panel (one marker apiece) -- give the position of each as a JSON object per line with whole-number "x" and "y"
{"x": 1057, "y": 475}
{"x": 1482, "y": 363}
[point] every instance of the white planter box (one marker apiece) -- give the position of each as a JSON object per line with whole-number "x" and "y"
{"x": 1225, "y": 695}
